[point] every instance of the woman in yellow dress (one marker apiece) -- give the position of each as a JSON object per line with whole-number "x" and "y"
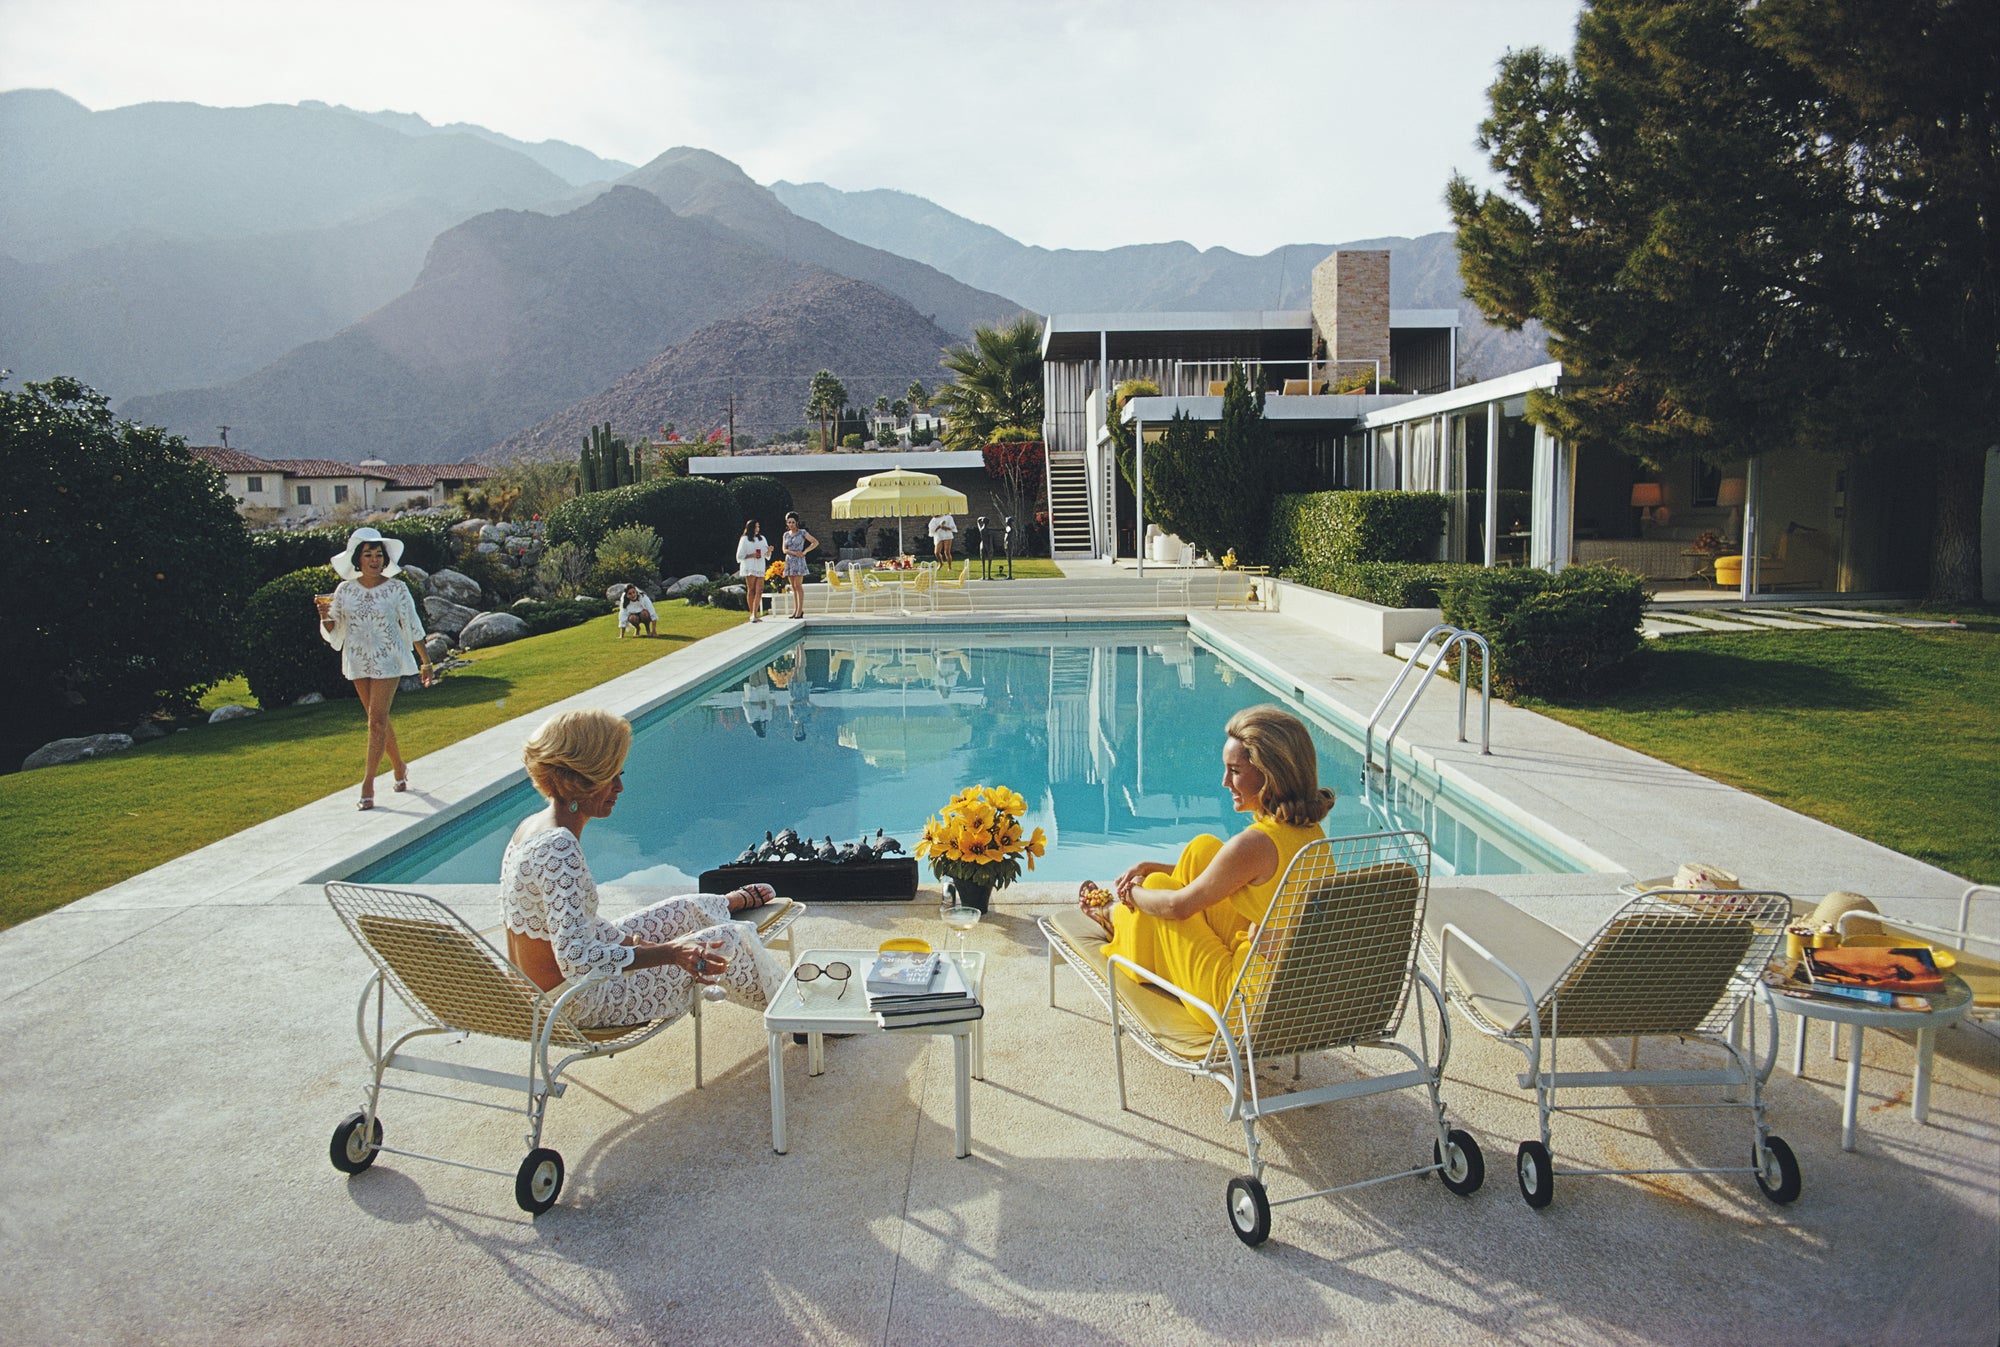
{"x": 1192, "y": 922}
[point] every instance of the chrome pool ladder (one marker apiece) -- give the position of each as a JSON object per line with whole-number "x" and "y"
{"x": 1454, "y": 638}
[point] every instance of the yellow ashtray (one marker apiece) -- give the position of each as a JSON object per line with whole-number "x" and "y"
{"x": 1943, "y": 958}
{"x": 1799, "y": 939}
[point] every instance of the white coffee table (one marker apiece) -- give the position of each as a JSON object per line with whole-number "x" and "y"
{"x": 1947, "y": 1007}
{"x": 825, "y": 1011}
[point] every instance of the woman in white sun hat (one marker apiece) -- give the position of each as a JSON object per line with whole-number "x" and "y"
{"x": 373, "y": 623}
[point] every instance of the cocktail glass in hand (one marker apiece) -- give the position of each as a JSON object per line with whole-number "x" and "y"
{"x": 961, "y": 919}
{"x": 712, "y": 991}
{"x": 323, "y": 602}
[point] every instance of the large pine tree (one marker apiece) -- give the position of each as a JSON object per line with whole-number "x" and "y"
{"x": 1753, "y": 227}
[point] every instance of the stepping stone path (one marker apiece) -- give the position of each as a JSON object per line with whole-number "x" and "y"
{"x": 1765, "y": 617}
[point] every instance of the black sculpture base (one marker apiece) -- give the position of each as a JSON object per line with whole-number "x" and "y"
{"x": 890, "y": 881}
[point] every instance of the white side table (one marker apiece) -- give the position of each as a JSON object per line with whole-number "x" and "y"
{"x": 1948, "y": 1007}
{"x": 823, "y": 1010}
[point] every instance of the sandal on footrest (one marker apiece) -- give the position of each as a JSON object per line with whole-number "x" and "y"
{"x": 1096, "y": 902}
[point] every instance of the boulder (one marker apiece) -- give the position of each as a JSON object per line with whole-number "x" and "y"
{"x": 487, "y": 549}
{"x": 419, "y": 574}
{"x": 454, "y": 586}
{"x": 492, "y": 533}
{"x": 445, "y": 616}
{"x": 310, "y": 699}
{"x": 230, "y": 712}
{"x": 62, "y": 751}
{"x": 492, "y": 629}
{"x": 438, "y": 646}
{"x": 684, "y": 584}
{"x": 467, "y": 527}
{"x": 147, "y": 729}
{"x": 411, "y": 683}
{"x": 614, "y": 593}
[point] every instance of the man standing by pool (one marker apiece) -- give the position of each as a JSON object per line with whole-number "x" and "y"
{"x": 944, "y": 528}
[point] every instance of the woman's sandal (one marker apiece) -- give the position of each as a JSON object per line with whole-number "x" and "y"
{"x": 1095, "y": 901}
{"x": 367, "y": 802}
{"x": 403, "y": 780}
{"x": 749, "y": 891}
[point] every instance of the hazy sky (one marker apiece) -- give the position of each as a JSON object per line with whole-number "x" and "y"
{"x": 1085, "y": 123}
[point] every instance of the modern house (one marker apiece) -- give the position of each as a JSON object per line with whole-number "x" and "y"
{"x": 302, "y": 489}
{"x": 1822, "y": 521}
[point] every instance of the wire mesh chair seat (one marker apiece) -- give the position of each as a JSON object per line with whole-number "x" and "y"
{"x": 454, "y": 982}
{"x": 1332, "y": 966}
{"x": 1679, "y": 964}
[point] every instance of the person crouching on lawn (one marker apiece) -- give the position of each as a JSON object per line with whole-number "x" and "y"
{"x": 635, "y": 611}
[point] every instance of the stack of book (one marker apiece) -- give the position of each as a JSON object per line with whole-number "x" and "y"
{"x": 1893, "y": 979}
{"x": 906, "y": 990}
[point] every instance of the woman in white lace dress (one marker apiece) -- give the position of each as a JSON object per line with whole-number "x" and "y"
{"x": 373, "y": 623}
{"x": 576, "y": 760}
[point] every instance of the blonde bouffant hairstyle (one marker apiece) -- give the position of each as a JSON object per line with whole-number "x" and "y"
{"x": 577, "y": 753}
{"x": 1280, "y": 746}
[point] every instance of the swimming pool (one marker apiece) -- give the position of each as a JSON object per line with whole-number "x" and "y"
{"x": 1113, "y": 734}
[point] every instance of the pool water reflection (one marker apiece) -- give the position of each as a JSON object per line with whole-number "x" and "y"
{"x": 1113, "y": 735}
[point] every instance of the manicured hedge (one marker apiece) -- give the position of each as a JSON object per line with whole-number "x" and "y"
{"x": 696, "y": 518}
{"x": 1393, "y": 584}
{"x": 542, "y": 618}
{"x": 426, "y": 544}
{"x": 283, "y": 655}
{"x": 764, "y": 499}
{"x": 1313, "y": 533}
{"x": 1572, "y": 634}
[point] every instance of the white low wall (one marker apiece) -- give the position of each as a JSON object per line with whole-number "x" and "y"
{"x": 1369, "y": 625}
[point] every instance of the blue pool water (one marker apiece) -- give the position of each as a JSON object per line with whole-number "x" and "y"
{"x": 1113, "y": 735}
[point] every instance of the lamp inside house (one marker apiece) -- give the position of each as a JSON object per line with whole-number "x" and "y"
{"x": 1647, "y": 497}
{"x": 1731, "y": 494}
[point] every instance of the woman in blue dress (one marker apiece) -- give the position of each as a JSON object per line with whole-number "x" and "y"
{"x": 796, "y": 543}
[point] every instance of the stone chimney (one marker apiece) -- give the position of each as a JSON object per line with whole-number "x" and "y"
{"x": 1350, "y": 309}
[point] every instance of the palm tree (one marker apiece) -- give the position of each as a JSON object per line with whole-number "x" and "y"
{"x": 999, "y": 383}
{"x": 919, "y": 397}
{"x": 824, "y": 399}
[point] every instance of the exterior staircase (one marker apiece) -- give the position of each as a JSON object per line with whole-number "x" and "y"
{"x": 1069, "y": 507}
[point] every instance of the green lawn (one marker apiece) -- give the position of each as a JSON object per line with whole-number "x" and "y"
{"x": 1891, "y": 735}
{"x": 76, "y": 829}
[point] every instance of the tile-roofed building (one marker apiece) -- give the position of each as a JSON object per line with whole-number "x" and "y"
{"x": 302, "y": 489}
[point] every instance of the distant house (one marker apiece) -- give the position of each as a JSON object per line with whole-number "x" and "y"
{"x": 305, "y": 489}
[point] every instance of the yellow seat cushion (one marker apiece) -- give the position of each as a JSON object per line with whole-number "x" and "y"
{"x": 1170, "y": 1024}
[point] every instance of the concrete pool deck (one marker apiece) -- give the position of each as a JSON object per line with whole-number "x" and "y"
{"x": 181, "y": 1046}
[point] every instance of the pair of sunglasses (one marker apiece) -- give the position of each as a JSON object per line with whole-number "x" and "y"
{"x": 812, "y": 972}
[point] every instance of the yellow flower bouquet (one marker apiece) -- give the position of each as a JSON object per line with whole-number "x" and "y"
{"x": 977, "y": 838}
{"x": 775, "y": 571}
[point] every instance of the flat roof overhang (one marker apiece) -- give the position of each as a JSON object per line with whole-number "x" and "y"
{"x": 859, "y": 464}
{"x": 1329, "y": 409}
{"x": 1497, "y": 389}
{"x": 1156, "y": 336}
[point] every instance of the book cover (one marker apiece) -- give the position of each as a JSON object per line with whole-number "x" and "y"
{"x": 946, "y": 983}
{"x": 1893, "y": 970}
{"x": 931, "y": 1017}
{"x": 902, "y": 971}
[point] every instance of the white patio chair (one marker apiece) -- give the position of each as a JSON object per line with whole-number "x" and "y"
{"x": 454, "y": 982}
{"x": 1332, "y": 967}
{"x": 1677, "y": 963}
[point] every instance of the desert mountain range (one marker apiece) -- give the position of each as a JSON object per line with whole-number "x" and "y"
{"x": 332, "y": 283}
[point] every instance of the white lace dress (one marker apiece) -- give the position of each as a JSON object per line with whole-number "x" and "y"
{"x": 375, "y": 630}
{"x": 546, "y": 892}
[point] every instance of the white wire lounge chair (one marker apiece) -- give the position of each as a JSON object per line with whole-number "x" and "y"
{"x": 1333, "y": 966}
{"x": 454, "y": 982}
{"x": 1676, "y": 963}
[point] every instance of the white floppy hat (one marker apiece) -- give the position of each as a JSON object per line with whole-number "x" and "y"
{"x": 343, "y": 563}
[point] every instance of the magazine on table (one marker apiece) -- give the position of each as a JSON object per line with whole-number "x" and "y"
{"x": 944, "y": 987}
{"x": 1905, "y": 970}
{"x": 902, "y": 971}
{"x": 931, "y": 1016}
{"x": 1790, "y": 977}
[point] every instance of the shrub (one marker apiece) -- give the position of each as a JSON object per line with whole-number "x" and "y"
{"x": 921, "y": 436}
{"x": 427, "y": 543}
{"x": 562, "y": 572}
{"x": 126, "y": 567}
{"x": 1315, "y": 532}
{"x": 764, "y": 499}
{"x": 502, "y": 583}
{"x": 542, "y": 618}
{"x": 727, "y": 592}
{"x": 851, "y": 441}
{"x": 627, "y": 556}
{"x": 1363, "y": 381}
{"x": 691, "y": 515}
{"x": 283, "y": 656}
{"x": 1572, "y": 634}
{"x": 1393, "y": 584}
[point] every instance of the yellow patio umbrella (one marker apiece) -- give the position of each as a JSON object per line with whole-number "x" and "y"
{"x": 898, "y": 494}
{"x": 890, "y": 741}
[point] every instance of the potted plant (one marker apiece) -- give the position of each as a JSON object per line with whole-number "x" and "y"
{"x": 977, "y": 843}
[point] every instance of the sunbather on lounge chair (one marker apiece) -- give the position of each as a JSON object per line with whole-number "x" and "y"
{"x": 1191, "y": 922}
{"x": 554, "y": 932}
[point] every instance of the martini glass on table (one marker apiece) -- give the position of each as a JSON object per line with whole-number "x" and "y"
{"x": 960, "y": 918}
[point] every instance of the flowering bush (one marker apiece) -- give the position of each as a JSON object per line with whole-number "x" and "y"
{"x": 977, "y": 838}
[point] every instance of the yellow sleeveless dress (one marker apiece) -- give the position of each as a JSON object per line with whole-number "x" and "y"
{"x": 1202, "y": 954}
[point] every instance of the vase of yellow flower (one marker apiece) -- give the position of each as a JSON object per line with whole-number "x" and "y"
{"x": 977, "y": 842}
